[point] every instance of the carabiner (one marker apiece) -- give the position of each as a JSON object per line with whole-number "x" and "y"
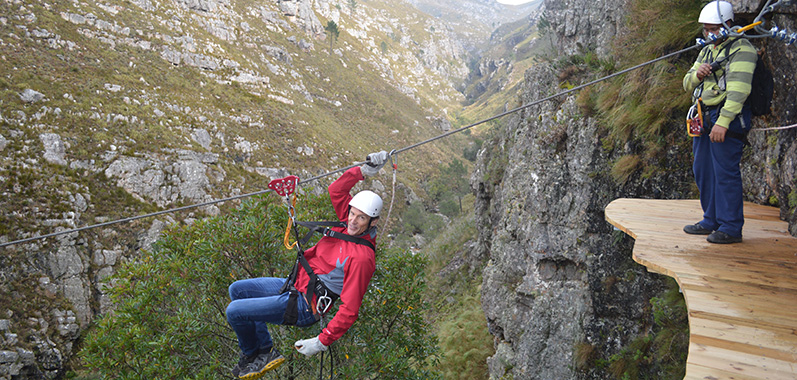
{"x": 323, "y": 303}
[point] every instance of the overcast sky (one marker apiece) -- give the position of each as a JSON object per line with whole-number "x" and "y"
{"x": 514, "y": 2}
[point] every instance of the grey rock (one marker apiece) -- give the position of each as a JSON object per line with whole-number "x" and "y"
{"x": 272, "y": 173}
{"x": 3, "y": 143}
{"x": 74, "y": 18}
{"x": 170, "y": 55}
{"x": 162, "y": 182}
{"x": 70, "y": 269}
{"x": 441, "y": 123}
{"x": 79, "y": 202}
{"x": 305, "y": 45}
{"x": 279, "y": 53}
{"x": 31, "y": 96}
{"x": 202, "y": 137}
{"x": 302, "y": 13}
{"x": 54, "y": 148}
{"x": 8, "y": 357}
{"x": 200, "y": 5}
{"x": 152, "y": 234}
{"x": 585, "y": 24}
{"x": 201, "y": 61}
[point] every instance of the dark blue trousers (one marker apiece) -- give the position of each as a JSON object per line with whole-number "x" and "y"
{"x": 255, "y": 302}
{"x": 718, "y": 177}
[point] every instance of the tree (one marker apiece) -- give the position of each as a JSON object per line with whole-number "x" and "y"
{"x": 333, "y": 32}
{"x": 170, "y": 305}
{"x": 544, "y": 28}
{"x": 451, "y": 183}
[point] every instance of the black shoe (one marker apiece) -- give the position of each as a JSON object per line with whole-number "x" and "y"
{"x": 242, "y": 362}
{"x": 696, "y": 229}
{"x": 719, "y": 237}
{"x": 256, "y": 367}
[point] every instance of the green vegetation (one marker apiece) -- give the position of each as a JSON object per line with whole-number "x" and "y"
{"x": 624, "y": 167}
{"x": 332, "y": 32}
{"x": 644, "y": 106}
{"x": 660, "y": 355}
{"x": 464, "y": 340}
{"x": 169, "y": 320}
{"x": 448, "y": 188}
{"x": 454, "y": 300}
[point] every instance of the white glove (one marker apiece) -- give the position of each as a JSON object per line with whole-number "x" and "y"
{"x": 375, "y": 162}
{"x": 309, "y": 347}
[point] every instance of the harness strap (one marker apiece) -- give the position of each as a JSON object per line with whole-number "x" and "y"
{"x": 324, "y": 296}
{"x": 324, "y": 229}
{"x": 728, "y": 133}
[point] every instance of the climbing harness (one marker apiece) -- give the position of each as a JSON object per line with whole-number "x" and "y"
{"x": 324, "y": 297}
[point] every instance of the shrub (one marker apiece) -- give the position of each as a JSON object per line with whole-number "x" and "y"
{"x": 465, "y": 342}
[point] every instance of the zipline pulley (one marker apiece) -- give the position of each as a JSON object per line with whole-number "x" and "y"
{"x": 287, "y": 187}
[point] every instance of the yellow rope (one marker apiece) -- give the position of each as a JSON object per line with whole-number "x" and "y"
{"x": 292, "y": 213}
{"x": 748, "y": 27}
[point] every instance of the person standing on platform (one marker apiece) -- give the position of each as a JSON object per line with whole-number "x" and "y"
{"x": 723, "y": 88}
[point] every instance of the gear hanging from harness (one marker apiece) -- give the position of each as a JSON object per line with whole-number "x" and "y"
{"x": 324, "y": 297}
{"x": 696, "y": 123}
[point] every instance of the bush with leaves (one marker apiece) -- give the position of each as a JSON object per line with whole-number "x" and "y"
{"x": 169, "y": 318}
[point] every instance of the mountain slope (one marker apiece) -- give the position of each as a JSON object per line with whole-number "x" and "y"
{"x": 115, "y": 109}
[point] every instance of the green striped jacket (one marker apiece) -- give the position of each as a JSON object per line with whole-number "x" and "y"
{"x": 738, "y": 79}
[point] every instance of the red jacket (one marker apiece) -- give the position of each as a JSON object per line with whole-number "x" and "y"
{"x": 344, "y": 267}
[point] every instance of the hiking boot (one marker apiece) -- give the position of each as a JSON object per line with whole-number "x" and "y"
{"x": 719, "y": 237}
{"x": 242, "y": 362}
{"x": 256, "y": 367}
{"x": 696, "y": 229}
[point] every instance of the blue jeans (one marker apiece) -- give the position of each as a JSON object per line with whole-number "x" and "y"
{"x": 255, "y": 302}
{"x": 718, "y": 177}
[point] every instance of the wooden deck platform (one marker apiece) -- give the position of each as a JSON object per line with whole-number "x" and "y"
{"x": 741, "y": 298}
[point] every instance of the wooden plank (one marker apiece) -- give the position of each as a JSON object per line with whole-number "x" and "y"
{"x": 755, "y": 366}
{"x": 699, "y": 372}
{"x": 740, "y": 297}
{"x": 781, "y": 340}
{"x": 687, "y": 269}
{"x": 770, "y": 316}
{"x": 784, "y": 288}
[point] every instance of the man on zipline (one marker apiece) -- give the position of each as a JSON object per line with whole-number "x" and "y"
{"x": 723, "y": 88}
{"x": 343, "y": 267}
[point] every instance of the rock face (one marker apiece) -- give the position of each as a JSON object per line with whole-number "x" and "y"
{"x": 550, "y": 254}
{"x": 584, "y": 24}
{"x": 556, "y": 274}
{"x": 163, "y": 182}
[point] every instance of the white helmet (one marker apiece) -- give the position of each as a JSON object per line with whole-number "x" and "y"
{"x": 368, "y": 202}
{"x": 713, "y": 13}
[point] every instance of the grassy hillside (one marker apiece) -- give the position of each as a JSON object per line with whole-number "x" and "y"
{"x": 110, "y": 90}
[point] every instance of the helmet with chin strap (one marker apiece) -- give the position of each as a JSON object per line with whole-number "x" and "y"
{"x": 368, "y": 202}
{"x": 716, "y": 12}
